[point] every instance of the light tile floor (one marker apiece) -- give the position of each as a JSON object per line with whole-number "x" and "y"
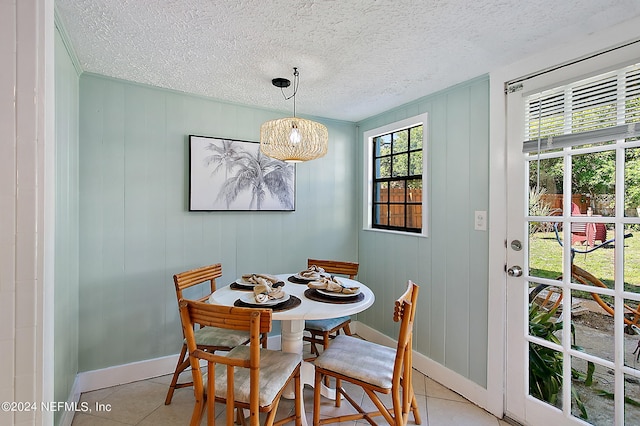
{"x": 142, "y": 403}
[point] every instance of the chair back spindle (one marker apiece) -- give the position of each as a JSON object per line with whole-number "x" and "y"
{"x": 350, "y": 269}
{"x": 211, "y": 339}
{"x": 187, "y": 279}
{"x": 241, "y": 366}
{"x": 321, "y": 331}
{"x": 389, "y": 372}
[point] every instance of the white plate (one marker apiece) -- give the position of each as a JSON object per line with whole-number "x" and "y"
{"x": 245, "y": 283}
{"x": 300, "y": 277}
{"x": 249, "y": 299}
{"x": 334, "y": 294}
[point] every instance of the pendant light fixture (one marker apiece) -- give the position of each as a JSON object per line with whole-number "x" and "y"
{"x": 293, "y": 139}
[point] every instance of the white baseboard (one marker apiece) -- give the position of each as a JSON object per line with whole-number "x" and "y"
{"x": 436, "y": 371}
{"x": 74, "y": 397}
{"x": 120, "y": 374}
{"x": 117, "y": 375}
{"x": 126, "y": 373}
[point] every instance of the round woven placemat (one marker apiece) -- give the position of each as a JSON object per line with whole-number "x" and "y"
{"x": 291, "y": 303}
{"x": 295, "y": 280}
{"x": 312, "y": 294}
{"x": 236, "y": 286}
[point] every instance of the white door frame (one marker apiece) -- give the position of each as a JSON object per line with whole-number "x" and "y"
{"x": 559, "y": 55}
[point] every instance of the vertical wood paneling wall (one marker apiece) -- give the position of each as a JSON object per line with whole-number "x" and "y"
{"x": 451, "y": 264}
{"x": 136, "y": 230}
{"x": 66, "y": 229}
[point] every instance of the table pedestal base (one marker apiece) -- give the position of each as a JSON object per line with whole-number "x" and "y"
{"x": 291, "y": 341}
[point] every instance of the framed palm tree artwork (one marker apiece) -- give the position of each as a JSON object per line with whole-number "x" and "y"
{"x": 234, "y": 175}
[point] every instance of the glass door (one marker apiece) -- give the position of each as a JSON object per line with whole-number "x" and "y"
{"x": 573, "y": 331}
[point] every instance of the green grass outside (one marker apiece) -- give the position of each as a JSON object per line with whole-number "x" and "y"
{"x": 546, "y": 259}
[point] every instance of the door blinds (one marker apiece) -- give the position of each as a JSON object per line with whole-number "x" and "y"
{"x": 598, "y": 109}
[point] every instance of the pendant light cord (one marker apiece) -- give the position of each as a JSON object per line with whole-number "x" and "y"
{"x": 296, "y": 82}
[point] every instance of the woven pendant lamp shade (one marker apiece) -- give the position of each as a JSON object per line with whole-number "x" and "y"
{"x": 293, "y": 139}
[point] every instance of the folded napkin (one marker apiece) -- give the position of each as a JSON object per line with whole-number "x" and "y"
{"x": 261, "y": 279}
{"x": 333, "y": 285}
{"x": 312, "y": 272}
{"x": 264, "y": 292}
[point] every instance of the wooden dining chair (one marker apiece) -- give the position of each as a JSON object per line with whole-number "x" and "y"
{"x": 378, "y": 370}
{"x": 207, "y": 338}
{"x": 320, "y": 331}
{"x": 248, "y": 377}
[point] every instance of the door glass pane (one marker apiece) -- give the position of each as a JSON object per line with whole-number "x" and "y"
{"x": 632, "y": 400}
{"x": 545, "y": 252}
{"x": 545, "y": 194}
{"x": 632, "y": 319}
{"x": 545, "y": 309}
{"x": 596, "y": 260}
{"x": 593, "y": 328}
{"x": 631, "y": 338}
{"x": 545, "y": 374}
{"x": 632, "y": 182}
{"x": 632, "y": 258}
{"x": 593, "y": 400}
{"x": 587, "y": 235}
{"x": 593, "y": 179}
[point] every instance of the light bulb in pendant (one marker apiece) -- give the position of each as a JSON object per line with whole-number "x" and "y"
{"x": 294, "y": 136}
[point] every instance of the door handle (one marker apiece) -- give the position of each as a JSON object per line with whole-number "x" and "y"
{"x": 514, "y": 271}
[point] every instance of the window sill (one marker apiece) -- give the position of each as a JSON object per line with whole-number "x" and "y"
{"x": 389, "y": 231}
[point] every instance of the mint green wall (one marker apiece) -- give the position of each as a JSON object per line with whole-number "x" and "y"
{"x": 136, "y": 230}
{"x": 66, "y": 225}
{"x": 451, "y": 265}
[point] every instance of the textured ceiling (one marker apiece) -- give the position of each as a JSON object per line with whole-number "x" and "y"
{"x": 356, "y": 58}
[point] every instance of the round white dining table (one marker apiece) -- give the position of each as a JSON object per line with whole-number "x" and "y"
{"x": 292, "y": 320}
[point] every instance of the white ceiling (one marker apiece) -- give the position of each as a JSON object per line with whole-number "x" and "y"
{"x": 356, "y": 58}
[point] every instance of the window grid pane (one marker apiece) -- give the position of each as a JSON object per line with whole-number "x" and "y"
{"x": 381, "y": 192}
{"x": 397, "y": 182}
{"x": 400, "y": 141}
{"x": 400, "y": 165}
{"x": 383, "y": 167}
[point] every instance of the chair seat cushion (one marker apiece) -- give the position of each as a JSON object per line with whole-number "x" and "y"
{"x": 365, "y": 361}
{"x": 275, "y": 368}
{"x": 214, "y": 336}
{"x": 325, "y": 324}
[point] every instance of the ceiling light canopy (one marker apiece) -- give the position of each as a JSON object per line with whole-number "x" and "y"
{"x": 293, "y": 139}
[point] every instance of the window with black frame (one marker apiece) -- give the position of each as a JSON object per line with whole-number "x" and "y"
{"x": 397, "y": 180}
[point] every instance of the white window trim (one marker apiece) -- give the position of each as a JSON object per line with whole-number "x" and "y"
{"x": 367, "y": 215}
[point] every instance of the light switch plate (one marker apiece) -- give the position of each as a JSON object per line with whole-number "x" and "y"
{"x": 480, "y": 220}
